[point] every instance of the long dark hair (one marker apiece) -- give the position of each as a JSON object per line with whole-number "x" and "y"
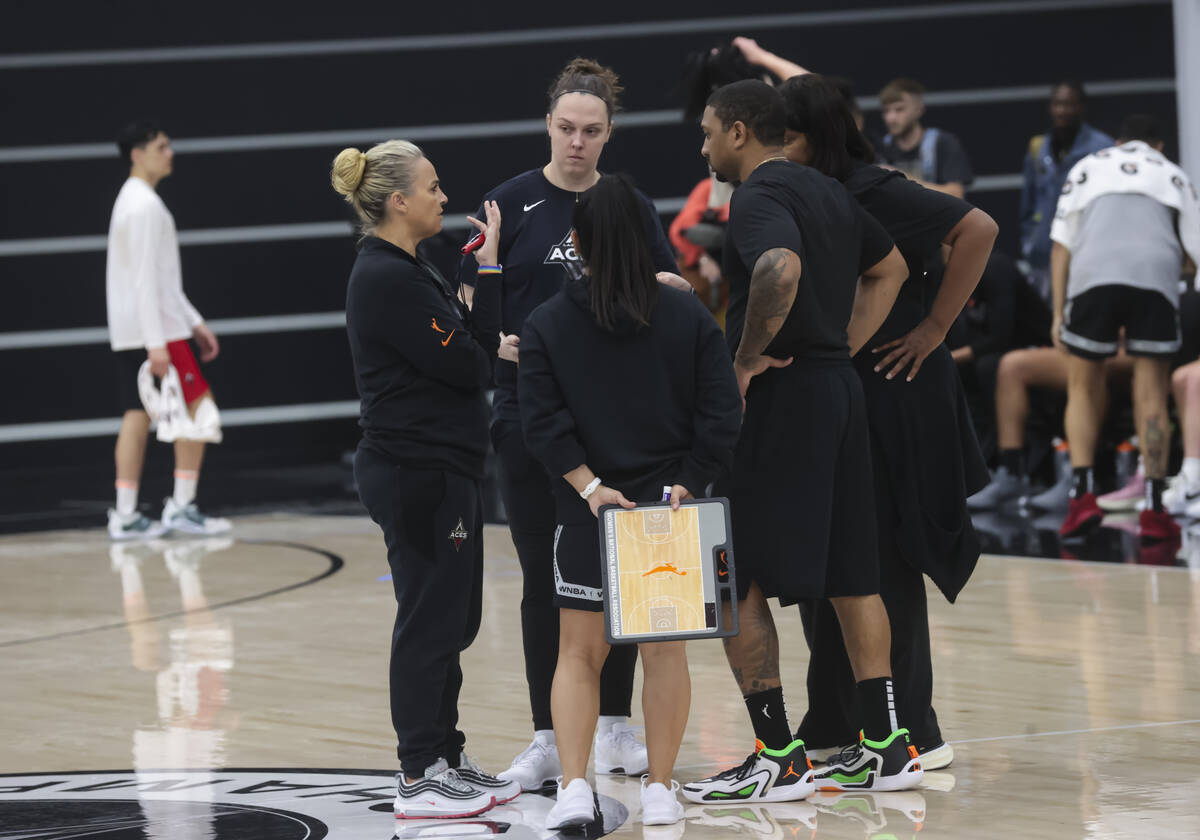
{"x": 818, "y": 110}
{"x": 705, "y": 71}
{"x": 613, "y": 246}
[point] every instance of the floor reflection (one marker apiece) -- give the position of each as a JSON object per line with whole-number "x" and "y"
{"x": 1024, "y": 532}
{"x": 190, "y": 657}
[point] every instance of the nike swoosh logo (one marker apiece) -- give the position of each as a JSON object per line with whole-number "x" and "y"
{"x": 447, "y": 341}
{"x": 529, "y": 207}
{"x": 765, "y": 712}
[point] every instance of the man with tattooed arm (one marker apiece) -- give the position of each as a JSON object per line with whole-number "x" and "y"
{"x": 812, "y": 276}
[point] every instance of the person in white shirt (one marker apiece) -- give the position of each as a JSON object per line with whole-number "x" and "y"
{"x": 150, "y": 320}
{"x": 1126, "y": 222}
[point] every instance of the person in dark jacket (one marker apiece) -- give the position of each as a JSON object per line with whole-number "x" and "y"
{"x": 626, "y": 380}
{"x": 923, "y": 448}
{"x": 538, "y": 256}
{"x": 421, "y": 364}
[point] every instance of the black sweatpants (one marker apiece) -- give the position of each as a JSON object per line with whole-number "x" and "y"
{"x": 833, "y": 718}
{"x": 432, "y": 523}
{"x": 529, "y": 501}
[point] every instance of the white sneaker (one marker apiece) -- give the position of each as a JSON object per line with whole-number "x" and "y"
{"x": 133, "y": 527}
{"x": 619, "y": 751}
{"x": 534, "y": 768}
{"x": 660, "y": 805}
{"x": 188, "y": 519}
{"x": 441, "y": 794}
{"x": 576, "y": 805}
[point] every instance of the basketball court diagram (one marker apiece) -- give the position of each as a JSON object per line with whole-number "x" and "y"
{"x": 662, "y": 565}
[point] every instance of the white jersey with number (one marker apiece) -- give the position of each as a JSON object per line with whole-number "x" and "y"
{"x": 1127, "y": 215}
{"x": 146, "y": 303}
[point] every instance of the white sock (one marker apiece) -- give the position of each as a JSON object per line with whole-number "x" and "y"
{"x": 185, "y": 486}
{"x": 1191, "y": 472}
{"x": 127, "y": 493}
{"x": 131, "y": 580}
{"x": 544, "y": 736}
{"x": 607, "y": 722}
{"x": 191, "y": 593}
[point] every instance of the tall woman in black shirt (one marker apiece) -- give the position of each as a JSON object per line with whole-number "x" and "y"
{"x": 537, "y": 257}
{"x": 923, "y": 447}
{"x": 625, "y": 389}
{"x": 421, "y": 365}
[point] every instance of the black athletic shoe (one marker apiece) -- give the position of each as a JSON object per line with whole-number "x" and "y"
{"x": 891, "y": 764}
{"x": 765, "y": 776}
{"x": 441, "y": 794}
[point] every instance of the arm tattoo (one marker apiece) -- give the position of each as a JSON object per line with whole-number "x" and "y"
{"x": 772, "y": 292}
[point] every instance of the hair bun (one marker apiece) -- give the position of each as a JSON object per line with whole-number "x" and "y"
{"x": 348, "y": 169}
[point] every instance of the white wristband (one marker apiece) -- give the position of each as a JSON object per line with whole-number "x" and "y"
{"x": 590, "y": 489}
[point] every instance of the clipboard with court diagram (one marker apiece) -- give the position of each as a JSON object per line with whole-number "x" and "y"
{"x": 668, "y": 574}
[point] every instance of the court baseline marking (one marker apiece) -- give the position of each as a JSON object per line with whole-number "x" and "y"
{"x": 335, "y": 565}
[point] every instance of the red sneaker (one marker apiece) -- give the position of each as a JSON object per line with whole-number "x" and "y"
{"x": 1083, "y": 515}
{"x": 1157, "y": 525}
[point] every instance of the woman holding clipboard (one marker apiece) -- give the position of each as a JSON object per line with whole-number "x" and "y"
{"x": 615, "y": 338}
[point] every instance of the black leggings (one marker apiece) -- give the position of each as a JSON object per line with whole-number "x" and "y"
{"x": 832, "y": 718}
{"x": 529, "y": 502}
{"x": 432, "y": 523}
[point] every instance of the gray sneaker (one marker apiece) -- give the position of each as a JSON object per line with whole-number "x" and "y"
{"x": 1004, "y": 488}
{"x": 1055, "y": 497}
{"x": 133, "y": 527}
{"x": 189, "y": 520}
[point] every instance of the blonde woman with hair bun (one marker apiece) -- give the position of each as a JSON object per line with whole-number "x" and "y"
{"x": 421, "y": 364}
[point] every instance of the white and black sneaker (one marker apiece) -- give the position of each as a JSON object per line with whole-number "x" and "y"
{"x": 133, "y": 526}
{"x": 474, "y": 775}
{"x": 188, "y": 519}
{"x": 441, "y": 794}
{"x": 765, "y": 776}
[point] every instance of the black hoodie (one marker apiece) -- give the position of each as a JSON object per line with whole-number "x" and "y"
{"x": 642, "y": 407}
{"x": 421, "y": 363}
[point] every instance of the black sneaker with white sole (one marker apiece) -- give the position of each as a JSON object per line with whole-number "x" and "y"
{"x": 441, "y": 794}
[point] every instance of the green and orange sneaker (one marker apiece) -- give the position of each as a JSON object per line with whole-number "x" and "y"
{"x": 765, "y": 776}
{"x": 891, "y": 764}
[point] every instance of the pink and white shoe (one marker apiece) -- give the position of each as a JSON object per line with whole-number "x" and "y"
{"x": 1126, "y": 498}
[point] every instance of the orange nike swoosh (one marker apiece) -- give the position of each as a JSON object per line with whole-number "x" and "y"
{"x": 447, "y": 341}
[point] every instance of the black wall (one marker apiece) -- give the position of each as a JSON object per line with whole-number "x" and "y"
{"x": 75, "y": 104}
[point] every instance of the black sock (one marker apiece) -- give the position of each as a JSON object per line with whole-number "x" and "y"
{"x": 1154, "y": 491}
{"x": 878, "y": 702}
{"x": 769, "y": 718}
{"x": 1081, "y": 483}
{"x": 1013, "y": 460}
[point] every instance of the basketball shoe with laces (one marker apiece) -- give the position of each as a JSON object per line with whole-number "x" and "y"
{"x": 619, "y": 751}
{"x": 536, "y": 766}
{"x": 504, "y": 790}
{"x": 891, "y": 764}
{"x": 440, "y": 794}
{"x": 765, "y": 776}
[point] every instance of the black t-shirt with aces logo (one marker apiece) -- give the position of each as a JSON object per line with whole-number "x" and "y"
{"x": 538, "y": 257}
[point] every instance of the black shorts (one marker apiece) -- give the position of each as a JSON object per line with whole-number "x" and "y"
{"x": 802, "y": 492}
{"x": 1092, "y": 323}
{"x": 578, "y": 572}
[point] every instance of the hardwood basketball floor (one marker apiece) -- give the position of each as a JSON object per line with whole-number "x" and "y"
{"x": 1070, "y": 690}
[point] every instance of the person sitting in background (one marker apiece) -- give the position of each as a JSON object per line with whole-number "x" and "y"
{"x": 932, "y": 157}
{"x": 1125, "y": 223}
{"x": 1002, "y": 314}
{"x": 1021, "y": 377}
{"x": 698, "y": 233}
{"x": 1048, "y": 159}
